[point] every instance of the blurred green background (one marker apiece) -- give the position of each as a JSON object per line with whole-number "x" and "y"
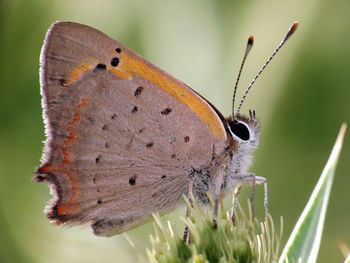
{"x": 301, "y": 100}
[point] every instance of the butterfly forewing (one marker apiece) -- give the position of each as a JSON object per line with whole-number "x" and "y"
{"x": 122, "y": 135}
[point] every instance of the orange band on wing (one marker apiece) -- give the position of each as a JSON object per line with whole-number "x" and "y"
{"x": 129, "y": 66}
{"x": 78, "y": 71}
{"x": 64, "y": 208}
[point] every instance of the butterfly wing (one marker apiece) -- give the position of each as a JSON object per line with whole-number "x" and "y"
{"x": 122, "y": 135}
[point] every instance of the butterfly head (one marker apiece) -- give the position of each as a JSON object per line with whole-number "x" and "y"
{"x": 245, "y": 130}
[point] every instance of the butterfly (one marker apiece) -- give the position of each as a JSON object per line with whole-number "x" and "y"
{"x": 125, "y": 139}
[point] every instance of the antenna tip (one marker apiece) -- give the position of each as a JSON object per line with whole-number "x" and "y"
{"x": 294, "y": 27}
{"x": 249, "y": 45}
{"x": 250, "y": 40}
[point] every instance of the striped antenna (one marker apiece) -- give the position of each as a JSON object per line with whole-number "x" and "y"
{"x": 289, "y": 33}
{"x": 247, "y": 49}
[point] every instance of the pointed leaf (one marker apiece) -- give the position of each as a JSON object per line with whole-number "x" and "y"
{"x": 304, "y": 242}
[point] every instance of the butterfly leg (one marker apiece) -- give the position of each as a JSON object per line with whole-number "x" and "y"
{"x": 234, "y": 204}
{"x": 218, "y": 186}
{"x": 251, "y": 179}
{"x": 252, "y": 192}
{"x": 186, "y": 235}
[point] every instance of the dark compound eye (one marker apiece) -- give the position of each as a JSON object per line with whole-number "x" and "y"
{"x": 240, "y": 130}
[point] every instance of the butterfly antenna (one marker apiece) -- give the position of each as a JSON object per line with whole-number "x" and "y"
{"x": 288, "y": 35}
{"x": 247, "y": 49}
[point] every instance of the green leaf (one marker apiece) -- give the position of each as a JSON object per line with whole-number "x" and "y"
{"x": 304, "y": 242}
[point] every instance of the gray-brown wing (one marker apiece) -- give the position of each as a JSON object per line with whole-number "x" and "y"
{"x": 118, "y": 147}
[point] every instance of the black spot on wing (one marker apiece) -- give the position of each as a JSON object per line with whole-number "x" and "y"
{"x": 98, "y": 159}
{"x": 166, "y": 111}
{"x": 149, "y": 145}
{"x": 62, "y": 82}
{"x": 132, "y": 180}
{"x": 101, "y": 66}
{"x": 115, "y": 62}
{"x": 135, "y": 109}
{"x": 138, "y": 91}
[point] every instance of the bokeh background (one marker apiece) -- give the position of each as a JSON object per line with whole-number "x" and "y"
{"x": 301, "y": 100}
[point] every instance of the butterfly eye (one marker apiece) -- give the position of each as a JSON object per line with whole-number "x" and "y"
{"x": 240, "y": 130}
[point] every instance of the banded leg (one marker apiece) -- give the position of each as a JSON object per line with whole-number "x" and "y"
{"x": 251, "y": 179}
{"x": 234, "y": 204}
{"x": 186, "y": 235}
{"x": 218, "y": 185}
